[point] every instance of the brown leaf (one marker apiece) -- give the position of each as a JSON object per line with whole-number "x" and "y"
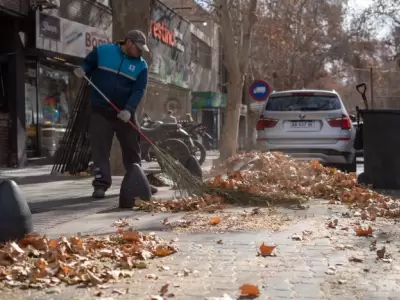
{"x": 215, "y": 220}
{"x": 249, "y": 290}
{"x": 132, "y": 236}
{"x": 360, "y": 231}
{"x": 381, "y": 252}
{"x": 162, "y": 250}
{"x": 356, "y": 259}
{"x": 266, "y": 250}
{"x": 164, "y": 289}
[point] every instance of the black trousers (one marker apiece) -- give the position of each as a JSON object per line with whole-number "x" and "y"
{"x": 102, "y": 127}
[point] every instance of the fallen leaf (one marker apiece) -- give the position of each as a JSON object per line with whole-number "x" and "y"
{"x": 356, "y": 259}
{"x": 297, "y": 237}
{"x": 266, "y": 250}
{"x": 164, "y": 289}
{"x": 163, "y": 251}
{"x": 215, "y": 221}
{"x": 360, "y": 231}
{"x": 120, "y": 291}
{"x": 151, "y": 276}
{"x": 95, "y": 280}
{"x": 131, "y": 236}
{"x": 381, "y": 252}
{"x": 249, "y": 290}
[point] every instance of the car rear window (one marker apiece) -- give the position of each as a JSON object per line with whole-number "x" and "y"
{"x": 303, "y": 102}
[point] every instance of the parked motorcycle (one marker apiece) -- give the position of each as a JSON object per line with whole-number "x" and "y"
{"x": 167, "y": 136}
{"x": 197, "y": 130}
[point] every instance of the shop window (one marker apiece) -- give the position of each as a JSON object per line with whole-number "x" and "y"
{"x": 31, "y": 109}
{"x": 55, "y": 104}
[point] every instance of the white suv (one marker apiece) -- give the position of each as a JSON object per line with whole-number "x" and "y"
{"x": 308, "y": 124}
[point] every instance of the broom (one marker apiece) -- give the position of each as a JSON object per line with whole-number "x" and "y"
{"x": 186, "y": 181}
{"x": 179, "y": 175}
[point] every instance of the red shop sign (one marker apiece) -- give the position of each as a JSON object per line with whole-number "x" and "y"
{"x": 162, "y": 33}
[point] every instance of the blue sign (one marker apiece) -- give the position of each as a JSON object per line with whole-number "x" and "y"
{"x": 259, "y": 90}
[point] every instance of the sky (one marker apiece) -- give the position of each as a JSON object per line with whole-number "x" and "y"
{"x": 359, "y": 5}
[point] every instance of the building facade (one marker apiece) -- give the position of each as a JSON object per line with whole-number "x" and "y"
{"x": 170, "y": 71}
{"x": 41, "y": 88}
{"x": 40, "y": 48}
{"x": 208, "y": 95}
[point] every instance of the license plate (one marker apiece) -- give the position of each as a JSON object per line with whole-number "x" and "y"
{"x": 302, "y": 124}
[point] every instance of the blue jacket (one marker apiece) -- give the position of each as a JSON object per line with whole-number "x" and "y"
{"x": 123, "y": 79}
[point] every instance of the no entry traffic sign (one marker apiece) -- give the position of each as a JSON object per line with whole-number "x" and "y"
{"x": 259, "y": 90}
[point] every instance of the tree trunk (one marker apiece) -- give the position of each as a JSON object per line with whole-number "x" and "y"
{"x": 252, "y": 117}
{"x": 128, "y": 15}
{"x": 230, "y": 130}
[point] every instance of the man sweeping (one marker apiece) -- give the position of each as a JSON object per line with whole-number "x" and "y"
{"x": 120, "y": 72}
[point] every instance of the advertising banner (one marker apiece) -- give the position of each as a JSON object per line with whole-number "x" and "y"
{"x": 67, "y": 37}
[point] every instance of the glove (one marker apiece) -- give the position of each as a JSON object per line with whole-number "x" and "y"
{"x": 79, "y": 72}
{"x": 124, "y": 115}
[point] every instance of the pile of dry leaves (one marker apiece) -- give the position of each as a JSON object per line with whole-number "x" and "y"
{"x": 281, "y": 178}
{"x": 38, "y": 262}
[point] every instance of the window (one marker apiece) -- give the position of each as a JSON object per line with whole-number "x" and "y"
{"x": 201, "y": 52}
{"x": 54, "y": 91}
{"x": 195, "y": 47}
{"x": 205, "y": 55}
{"x": 303, "y": 103}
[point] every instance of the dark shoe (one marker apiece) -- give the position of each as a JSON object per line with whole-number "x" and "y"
{"x": 99, "y": 193}
{"x": 154, "y": 190}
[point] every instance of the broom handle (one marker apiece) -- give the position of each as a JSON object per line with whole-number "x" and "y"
{"x": 117, "y": 109}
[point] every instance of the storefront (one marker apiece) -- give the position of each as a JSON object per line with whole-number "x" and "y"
{"x": 12, "y": 131}
{"x": 169, "y": 73}
{"x": 208, "y": 108}
{"x": 50, "y": 86}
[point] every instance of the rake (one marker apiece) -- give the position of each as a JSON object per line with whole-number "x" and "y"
{"x": 179, "y": 175}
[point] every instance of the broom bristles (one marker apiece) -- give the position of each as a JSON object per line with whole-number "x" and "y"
{"x": 191, "y": 185}
{"x": 184, "y": 180}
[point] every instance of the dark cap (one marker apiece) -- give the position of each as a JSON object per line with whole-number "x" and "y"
{"x": 138, "y": 37}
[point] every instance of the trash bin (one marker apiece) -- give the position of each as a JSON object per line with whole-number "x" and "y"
{"x": 381, "y": 141}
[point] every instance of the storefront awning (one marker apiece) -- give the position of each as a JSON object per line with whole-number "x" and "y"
{"x": 208, "y": 100}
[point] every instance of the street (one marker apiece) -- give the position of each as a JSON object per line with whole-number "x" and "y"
{"x": 313, "y": 260}
{"x": 56, "y": 199}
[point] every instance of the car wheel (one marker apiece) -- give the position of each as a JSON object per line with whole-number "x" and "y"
{"x": 348, "y": 168}
{"x": 363, "y": 179}
{"x": 352, "y": 167}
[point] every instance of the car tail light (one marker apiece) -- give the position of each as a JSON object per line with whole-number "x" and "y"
{"x": 266, "y": 123}
{"x": 344, "y": 122}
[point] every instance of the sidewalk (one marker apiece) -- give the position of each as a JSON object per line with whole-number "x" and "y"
{"x": 312, "y": 260}
{"x": 326, "y": 264}
{"x": 56, "y": 199}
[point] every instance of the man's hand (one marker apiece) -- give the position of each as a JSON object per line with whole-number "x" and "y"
{"x": 124, "y": 115}
{"x": 79, "y": 72}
